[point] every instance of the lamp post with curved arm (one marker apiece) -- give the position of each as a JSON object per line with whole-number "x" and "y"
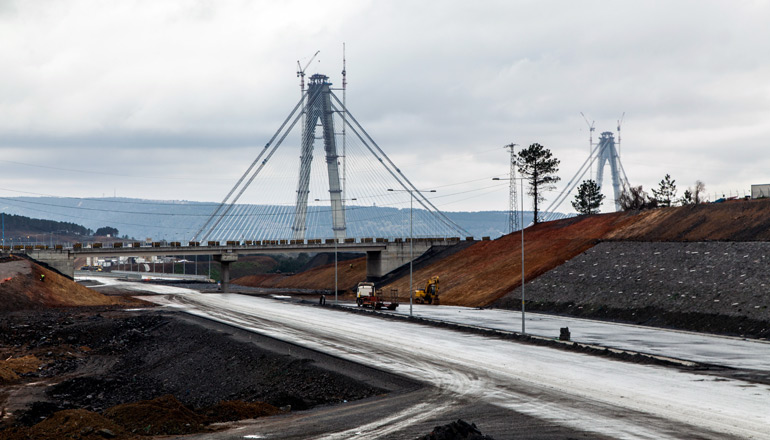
{"x": 523, "y": 328}
{"x": 335, "y": 255}
{"x": 411, "y": 239}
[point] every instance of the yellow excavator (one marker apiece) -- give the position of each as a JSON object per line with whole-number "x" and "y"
{"x": 430, "y": 294}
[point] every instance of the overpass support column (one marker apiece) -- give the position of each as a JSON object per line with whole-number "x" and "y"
{"x": 225, "y": 260}
{"x": 374, "y": 265}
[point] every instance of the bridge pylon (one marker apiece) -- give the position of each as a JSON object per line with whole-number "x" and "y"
{"x": 318, "y": 108}
{"x": 608, "y": 153}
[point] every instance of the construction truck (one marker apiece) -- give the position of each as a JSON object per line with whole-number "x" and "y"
{"x": 368, "y": 296}
{"x": 430, "y": 294}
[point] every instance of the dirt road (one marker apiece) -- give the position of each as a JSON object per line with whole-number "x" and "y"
{"x": 583, "y": 393}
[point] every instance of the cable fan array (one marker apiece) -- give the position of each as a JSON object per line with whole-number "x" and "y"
{"x": 263, "y": 203}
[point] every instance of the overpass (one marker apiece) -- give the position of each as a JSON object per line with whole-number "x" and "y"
{"x": 382, "y": 255}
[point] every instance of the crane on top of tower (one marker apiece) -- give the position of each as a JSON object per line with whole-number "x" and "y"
{"x": 591, "y": 129}
{"x": 620, "y": 121}
{"x": 301, "y": 70}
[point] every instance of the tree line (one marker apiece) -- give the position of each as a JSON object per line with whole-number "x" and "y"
{"x": 12, "y": 223}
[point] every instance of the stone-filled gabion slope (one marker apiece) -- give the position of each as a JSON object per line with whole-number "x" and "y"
{"x": 723, "y": 278}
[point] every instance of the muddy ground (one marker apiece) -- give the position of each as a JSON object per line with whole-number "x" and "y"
{"x": 97, "y": 358}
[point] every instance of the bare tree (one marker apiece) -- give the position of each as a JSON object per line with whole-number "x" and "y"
{"x": 635, "y": 199}
{"x": 698, "y": 192}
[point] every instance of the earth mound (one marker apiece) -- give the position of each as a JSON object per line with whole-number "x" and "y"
{"x": 74, "y": 424}
{"x": 459, "y": 430}
{"x": 11, "y": 368}
{"x": 26, "y": 285}
{"x": 164, "y": 415}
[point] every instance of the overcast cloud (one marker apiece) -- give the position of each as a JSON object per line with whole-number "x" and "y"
{"x": 171, "y": 100}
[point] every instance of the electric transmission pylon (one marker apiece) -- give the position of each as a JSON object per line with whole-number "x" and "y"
{"x": 513, "y": 217}
{"x": 319, "y": 107}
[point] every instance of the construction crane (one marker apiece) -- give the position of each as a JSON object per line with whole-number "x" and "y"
{"x": 301, "y": 70}
{"x": 620, "y": 121}
{"x": 590, "y": 142}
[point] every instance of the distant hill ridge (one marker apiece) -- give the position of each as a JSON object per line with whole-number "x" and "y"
{"x": 179, "y": 220}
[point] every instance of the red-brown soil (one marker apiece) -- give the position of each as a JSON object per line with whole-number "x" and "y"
{"x": 745, "y": 220}
{"x": 489, "y": 269}
{"x": 349, "y": 274}
{"x": 74, "y": 424}
{"x": 162, "y": 415}
{"x": 22, "y": 289}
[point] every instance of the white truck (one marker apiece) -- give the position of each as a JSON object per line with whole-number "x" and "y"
{"x": 367, "y": 295}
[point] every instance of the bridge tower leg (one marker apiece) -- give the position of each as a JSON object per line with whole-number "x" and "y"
{"x": 609, "y": 153}
{"x": 319, "y": 108}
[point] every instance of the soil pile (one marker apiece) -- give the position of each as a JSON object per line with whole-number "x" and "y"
{"x": 459, "y": 430}
{"x": 23, "y": 288}
{"x": 163, "y": 415}
{"x": 75, "y": 424}
{"x": 11, "y": 368}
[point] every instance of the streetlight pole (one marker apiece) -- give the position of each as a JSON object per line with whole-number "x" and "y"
{"x": 411, "y": 241}
{"x": 336, "y": 289}
{"x": 523, "y": 327}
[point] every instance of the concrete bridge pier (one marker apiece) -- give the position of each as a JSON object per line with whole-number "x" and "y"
{"x": 62, "y": 260}
{"x": 225, "y": 260}
{"x": 396, "y": 254}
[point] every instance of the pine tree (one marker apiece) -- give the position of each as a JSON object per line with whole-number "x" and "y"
{"x": 666, "y": 192}
{"x": 539, "y": 167}
{"x": 589, "y": 198}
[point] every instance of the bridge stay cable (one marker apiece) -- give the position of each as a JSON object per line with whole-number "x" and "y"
{"x": 262, "y": 165}
{"x": 276, "y": 220}
{"x": 422, "y": 199}
{"x": 248, "y": 170}
{"x": 450, "y": 225}
{"x": 573, "y": 182}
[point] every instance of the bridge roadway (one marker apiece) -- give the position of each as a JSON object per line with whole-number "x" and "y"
{"x": 382, "y": 255}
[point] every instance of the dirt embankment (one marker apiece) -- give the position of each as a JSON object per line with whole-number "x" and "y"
{"x": 745, "y": 220}
{"x": 349, "y": 274}
{"x": 22, "y": 287}
{"x": 488, "y": 270}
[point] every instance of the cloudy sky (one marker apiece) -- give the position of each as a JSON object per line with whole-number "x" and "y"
{"x": 172, "y": 100}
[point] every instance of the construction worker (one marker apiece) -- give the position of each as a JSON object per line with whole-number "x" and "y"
{"x": 42, "y": 277}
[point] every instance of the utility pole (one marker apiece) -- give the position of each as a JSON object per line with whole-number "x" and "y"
{"x": 513, "y": 219}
